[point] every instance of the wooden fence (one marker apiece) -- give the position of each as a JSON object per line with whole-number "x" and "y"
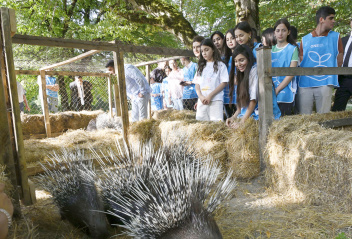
{"x": 265, "y": 74}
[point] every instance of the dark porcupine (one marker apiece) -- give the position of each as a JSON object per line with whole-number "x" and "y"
{"x": 104, "y": 121}
{"x": 75, "y": 194}
{"x": 168, "y": 193}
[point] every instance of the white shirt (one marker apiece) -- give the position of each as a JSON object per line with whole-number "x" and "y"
{"x": 349, "y": 42}
{"x": 253, "y": 84}
{"x": 135, "y": 82}
{"x": 209, "y": 80}
{"x": 20, "y": 92}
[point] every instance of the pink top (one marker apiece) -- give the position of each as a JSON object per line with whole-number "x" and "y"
{"x": 175, "y": 89}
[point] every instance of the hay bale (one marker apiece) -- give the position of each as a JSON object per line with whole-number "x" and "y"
{"x": 9, "y": 189}
{"x": 243, "y": 150}
{"x": 37, "y": 150}
{"x": 142, "y": 131}
{"x": 171, "y": 115}
{"x": 310, "y": 163}
{"x": 60, "y": 122}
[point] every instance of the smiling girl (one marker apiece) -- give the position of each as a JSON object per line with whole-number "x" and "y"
{"x": 210, "y": 80}
{"x": 247, "y": 87}
{"x": 243, "y": 35}
{"x": 284, "y": 54}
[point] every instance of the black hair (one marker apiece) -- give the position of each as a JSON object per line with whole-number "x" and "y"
{"x": 294, "y": 32}
{"x": 198, "y": 39}
{"x": 224, "y": 50}
{"x": 217, "y": 32}
{"x": 186, "y": 58}
{"x": 269, "y": 36}
{"x": 242, "y": 78}
{"x": 110, "y": 63}
{"x": 288, "y": 26}
{"x": 324, "y": 12}
{"x": 216, "y": 56}
{"x": 244, "y": 26}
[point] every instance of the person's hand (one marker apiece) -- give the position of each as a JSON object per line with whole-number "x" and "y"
{"x": 229, "y": 121}
{"x": 207, "y": 100}
{"x": 236, "y": 125}
{"x": 140, "y": 95}
{"x": 5, "y": 202}
{"x": 195, "y": 106}
{"x": 28, "y": 109}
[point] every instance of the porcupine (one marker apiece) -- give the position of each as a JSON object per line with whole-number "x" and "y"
{"x": 75, "y": 194}
{"x": 166, "y": 192}
{"x": 103, "y": 121}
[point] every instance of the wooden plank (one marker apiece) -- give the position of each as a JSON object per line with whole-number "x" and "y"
{"x": 62, "y": 73}
{"x": 265, "y": 99}
{"x": 307, "y": 71}
{"x": 60, "y": 42}
{"x": 157, "y": 61}
{"x": 6, "y": 149}
{"x": 110, "y": 97}
{"x": 17, "y": 125}
{"x": 45, "y": 108}
{"x": 337, "y": 123}
{"x": 147, "y": 75}
{"x": 103, "y": 46}
{"x": 117, "y": 99}
{"x": 13, "y": 25}
{"x": 76, "y": 58}
{"x": 120, "y": 72}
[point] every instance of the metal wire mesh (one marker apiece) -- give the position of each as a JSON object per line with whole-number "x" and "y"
{"x": 96, "y": 95}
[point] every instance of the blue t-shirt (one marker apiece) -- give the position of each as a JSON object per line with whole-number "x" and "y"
{"x": 227, "y": 87}
{"x": 50, "y": 80}
{"x": 189, "y": 91}
{"x": 319, "y": 51}
{"x": 156, "y": 101}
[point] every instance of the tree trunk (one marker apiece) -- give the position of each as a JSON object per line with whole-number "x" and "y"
{"x": 248, "y": 10}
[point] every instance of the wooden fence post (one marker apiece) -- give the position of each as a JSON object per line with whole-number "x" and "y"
{"x": 117, "y": 99}
{"x": 20, "y": 162}
{"x": 45, "y": 108}
{"x": 147, "y": 75}
{"x": 265, "y": 99}
{"x": 120, "y": 72}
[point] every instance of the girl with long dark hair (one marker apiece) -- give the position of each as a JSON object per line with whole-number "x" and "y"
{"x": 246, "y": 79}
{"x": 284, "y": 54}
{"x": 210, "y": 80}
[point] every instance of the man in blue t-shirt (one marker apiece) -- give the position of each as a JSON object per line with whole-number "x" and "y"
{"x": 51, "y": 93}
{"x": 320, "y": 48}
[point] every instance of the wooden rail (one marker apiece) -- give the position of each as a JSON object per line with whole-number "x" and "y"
{"x": 102, "y": 46}
{"x": 62, "y": 73}
{"x": 308, "y": 71}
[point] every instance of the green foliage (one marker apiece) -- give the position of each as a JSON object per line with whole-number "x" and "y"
{"x": 301, "y": 14}
{"x": 342, "y": 236}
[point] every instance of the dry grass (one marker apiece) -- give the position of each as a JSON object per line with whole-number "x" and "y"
{"x": 311, "y": 163}
{"x": 102, "y": 140}
{"x": 60, "y": 122}
{"x": 171, "y": 115}
{"x": 243, "y": 150}
{"x": 142, "y": 131}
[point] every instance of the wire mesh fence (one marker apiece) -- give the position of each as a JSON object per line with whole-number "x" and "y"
{"x": 94, "y": 94}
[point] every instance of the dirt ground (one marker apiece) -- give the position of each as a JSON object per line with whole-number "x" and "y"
{"x": 253, "y": 212}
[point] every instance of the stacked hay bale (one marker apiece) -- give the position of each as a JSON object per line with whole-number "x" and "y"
{"x": 101, "y": 142}
{"x": 60, "y": 122}
{"x": 235, "y": 149}
{"x": 310, "y": 163}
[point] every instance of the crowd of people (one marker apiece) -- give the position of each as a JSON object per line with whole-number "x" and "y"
{"x": 224, "y": 82}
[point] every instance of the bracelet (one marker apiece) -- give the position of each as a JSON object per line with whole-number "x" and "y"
{"x": 9, "y": 220}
